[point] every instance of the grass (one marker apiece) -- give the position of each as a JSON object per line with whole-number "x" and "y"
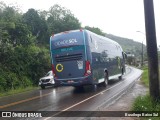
{"x": 145, "y": 103}
{"x": 145, "y": 78}
{"x": 16, "y": 91}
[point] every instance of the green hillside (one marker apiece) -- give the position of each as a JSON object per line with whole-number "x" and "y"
{"x": 129, "y": 45}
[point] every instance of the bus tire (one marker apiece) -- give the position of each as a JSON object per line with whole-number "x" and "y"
{"x": 105, "y": 83}
{"x": 120, "y": 77}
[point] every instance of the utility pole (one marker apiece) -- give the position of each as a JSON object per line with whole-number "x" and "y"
{"x": 151, "y": 49}
{"x": 142, "y": 49}
{"x": 142, "y": 55}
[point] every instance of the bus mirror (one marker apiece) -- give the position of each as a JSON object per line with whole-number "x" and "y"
{"x": 124, "y": 55}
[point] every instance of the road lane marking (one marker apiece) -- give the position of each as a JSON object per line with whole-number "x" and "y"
{"x": 22, "y": 101}
{"x": 29, "y": 99}
{"x": 100, "y": 93}
{"x": 26, "y": 100}
{"x": 84, "y": 100}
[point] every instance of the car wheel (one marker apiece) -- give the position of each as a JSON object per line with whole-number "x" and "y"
{"x": 42, "y": 86}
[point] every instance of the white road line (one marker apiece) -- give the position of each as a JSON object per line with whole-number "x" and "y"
{"x": 84, "y": 100}
{"x": 90, "y": 98}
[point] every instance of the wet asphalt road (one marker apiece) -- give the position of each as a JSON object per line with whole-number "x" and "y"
{"x": 68, "y": 98}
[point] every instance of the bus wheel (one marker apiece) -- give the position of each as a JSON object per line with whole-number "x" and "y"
{"x": 120, "y": 77}
{"x": 105, "y": 83}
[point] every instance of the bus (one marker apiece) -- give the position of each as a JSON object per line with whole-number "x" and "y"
{"x": 81, "y": 57}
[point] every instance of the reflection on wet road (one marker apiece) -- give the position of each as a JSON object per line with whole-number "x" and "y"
{"x": 68, "y": 98}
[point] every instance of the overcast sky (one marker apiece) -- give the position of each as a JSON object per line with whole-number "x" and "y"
{"x": 119, "y": 17}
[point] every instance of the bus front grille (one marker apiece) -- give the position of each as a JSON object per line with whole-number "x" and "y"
{"x": 68, "y": 57}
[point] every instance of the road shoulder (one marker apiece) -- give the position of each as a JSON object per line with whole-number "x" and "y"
{"x": 124, "y": 103}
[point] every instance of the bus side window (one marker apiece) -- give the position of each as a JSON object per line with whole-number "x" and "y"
{"x": 91, "y": 42}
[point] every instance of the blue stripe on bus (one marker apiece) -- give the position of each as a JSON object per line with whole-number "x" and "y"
{"x": 73, "y": 48}
{"x": 85, "y": 46}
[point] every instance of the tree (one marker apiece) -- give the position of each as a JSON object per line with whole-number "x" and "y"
{"x": 95, "y": 30}
{"x": 37, "y": 25}
{"x": 61, "y": 19}
{"x": 22, "y": 61}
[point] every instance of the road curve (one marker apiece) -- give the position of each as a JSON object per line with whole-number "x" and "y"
{"x": 68, "y": 98}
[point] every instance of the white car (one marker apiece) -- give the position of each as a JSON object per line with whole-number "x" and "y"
{"x": 47, "y": 80}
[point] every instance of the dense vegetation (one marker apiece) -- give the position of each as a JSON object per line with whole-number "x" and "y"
{"x": 24, "y": 43}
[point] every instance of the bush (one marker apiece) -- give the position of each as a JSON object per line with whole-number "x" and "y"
{"x": 3, "y": 83}
{"x": 145, "y": 103}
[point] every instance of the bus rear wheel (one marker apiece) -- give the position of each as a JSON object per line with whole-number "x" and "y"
{"x": 120, "y": 77}
{"x": 105, "y": 83}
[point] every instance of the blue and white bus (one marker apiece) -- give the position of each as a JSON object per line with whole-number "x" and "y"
{"x": 80, "y": 57}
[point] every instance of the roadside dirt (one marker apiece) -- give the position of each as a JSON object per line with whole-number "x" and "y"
{"x": 124, "y": 103}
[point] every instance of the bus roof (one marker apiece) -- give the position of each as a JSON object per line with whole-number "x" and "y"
{"x": 65, "y": 32}
{"x": 105, "y": 38}
{"x": 87, "y": 31}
